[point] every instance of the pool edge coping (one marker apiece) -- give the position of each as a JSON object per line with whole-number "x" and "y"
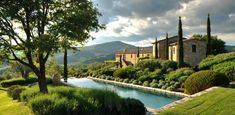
{"x": 185, "y": 97}
{"x": 157, "y": 90}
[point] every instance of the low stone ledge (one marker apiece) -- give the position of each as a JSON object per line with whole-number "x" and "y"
{"x": 151, "y": 111}
{"x": 154, "y": 90}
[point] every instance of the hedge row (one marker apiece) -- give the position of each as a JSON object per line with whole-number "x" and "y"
{"x": 21, "y": 81}
{"x": 64, "y": 100}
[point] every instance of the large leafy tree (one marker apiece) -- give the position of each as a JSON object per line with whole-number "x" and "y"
{"x": 217, "y": 45}
{"x": 32, "y": 29}
{"x": 80, "y": 13}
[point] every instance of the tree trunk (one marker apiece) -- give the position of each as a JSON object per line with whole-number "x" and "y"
{"x": 65, "y": 65}
{"x": 42, "y": 82}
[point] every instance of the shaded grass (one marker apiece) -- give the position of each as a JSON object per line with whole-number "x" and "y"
{"x": 12, "y": 107}
{"x": 220, "y": 101}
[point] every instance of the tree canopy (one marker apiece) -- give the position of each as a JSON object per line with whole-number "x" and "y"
{"x": 32, "y": 30}
{"x": 217, "y": 45}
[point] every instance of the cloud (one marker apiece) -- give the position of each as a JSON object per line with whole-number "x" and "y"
{"x": 137, "y": 21}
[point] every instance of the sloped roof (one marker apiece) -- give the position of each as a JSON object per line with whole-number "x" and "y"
{"x": 134, "y": 51}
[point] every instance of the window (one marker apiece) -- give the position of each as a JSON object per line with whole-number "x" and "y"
{"x": 194, "y": 48}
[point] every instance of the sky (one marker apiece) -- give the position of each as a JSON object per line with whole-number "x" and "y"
{"x": 139, "y": 22}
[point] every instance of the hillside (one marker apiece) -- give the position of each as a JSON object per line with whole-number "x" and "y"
{"x": 95, "y": 53}
{"x": 230, "y": 48}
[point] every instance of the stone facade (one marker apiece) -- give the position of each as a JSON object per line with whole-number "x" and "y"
{"x": 130, "y": 57}
{"x": 194, "y": 51}
{"x": 161, "y": 47}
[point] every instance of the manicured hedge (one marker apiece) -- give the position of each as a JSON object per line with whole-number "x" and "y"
{"x": 150, "y": 64}
{"x": 178, "y": 74}
{"x": 223, "y": 63}
{"x": 127, "y": 72}
{"x": 21, "y": 81}
{"x": 218, "y": 59}
{"x": 64, "y": 100}
{"x": 204, "y": 79}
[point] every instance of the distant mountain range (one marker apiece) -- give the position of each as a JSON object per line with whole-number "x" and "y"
{"x": 99, "y": 53}
{"x": 95, "y": 53}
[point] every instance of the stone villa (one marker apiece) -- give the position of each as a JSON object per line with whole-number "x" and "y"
{"x": 194, "y": 52}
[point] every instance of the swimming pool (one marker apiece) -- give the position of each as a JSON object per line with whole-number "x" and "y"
{"x": 150, "y": 100}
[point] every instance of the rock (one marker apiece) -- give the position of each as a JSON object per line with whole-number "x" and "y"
{"x": 56, "y": 79}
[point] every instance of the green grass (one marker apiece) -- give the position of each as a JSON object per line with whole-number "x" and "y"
{"x": 12, "y": 107}
{"x": 220, "y": 101}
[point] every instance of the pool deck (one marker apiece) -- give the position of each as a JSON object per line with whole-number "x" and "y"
{"x": 151, "y": 111}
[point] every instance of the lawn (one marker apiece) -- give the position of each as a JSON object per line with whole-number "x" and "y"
{"x": 220, "y": 101}
{"x": 12, "y": 107}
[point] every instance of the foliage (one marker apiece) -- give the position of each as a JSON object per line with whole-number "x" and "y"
{"x": 41, "y": 24}
{"x": 178, "y": 74}
{"x": 166, "y": 64}
{"x": 180, "y": 46}
{"x": 220, "y": 58}
{"x": 8, "y": 75}
{"x": 217, "y": 45}
{"x": 53, "y": 68}
{"x": 63, "y": 100}
{"x": 22, "y": 69}
{"x": 14, "y": 91}
{"x": 227, "y": 68}
{"x": 127, "y": 72}
{"x": 146, "y": 84}
{"x": 149, "y": 63}
{"x": 204, "y": 79}
{"x": 223, "y": 63}
{"x": 95, "y": 66}
{"x": 77, "y": 71}
{"x": 21, "y": 81}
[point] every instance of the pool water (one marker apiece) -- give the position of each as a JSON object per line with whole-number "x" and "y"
{"x": 150, "y": 100}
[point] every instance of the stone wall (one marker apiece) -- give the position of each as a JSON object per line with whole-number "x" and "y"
{"x": 190, "y": 57}
{"x": 194, "y": 58}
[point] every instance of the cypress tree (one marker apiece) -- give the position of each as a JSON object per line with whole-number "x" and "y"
{"x": 167, "y": 47}
{"x": 138, "y": 52}
{"x": 180, "y": 47}
{"x": 208, "y": 35}
{"x": 156, "y": 49}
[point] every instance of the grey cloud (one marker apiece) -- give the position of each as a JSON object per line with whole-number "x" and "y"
{"x": 164, "y": 11}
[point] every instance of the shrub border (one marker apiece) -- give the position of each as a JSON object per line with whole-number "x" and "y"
{"x": 155, "y": 90}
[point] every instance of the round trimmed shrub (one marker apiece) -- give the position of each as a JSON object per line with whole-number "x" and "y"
{"x": 126, "y": 80}
{"x": 14, "y": 91}
{"x": 135, "y": 82}
{"x": 153, "y": 85}
{"x": 204, "y": 79}
{"x": 146, "y": 84}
